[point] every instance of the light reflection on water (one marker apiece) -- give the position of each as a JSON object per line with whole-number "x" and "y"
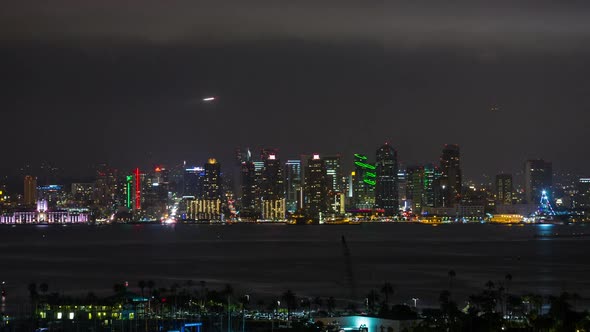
{"x": 268, "y": 259}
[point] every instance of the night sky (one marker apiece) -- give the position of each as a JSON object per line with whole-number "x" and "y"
{"x": 121, "y": 81}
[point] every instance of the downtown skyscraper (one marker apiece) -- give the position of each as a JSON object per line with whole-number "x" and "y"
{"x": 316, "y": 188}
{"x": 504, "y": 189}
{"x": 30, "y": 197}
{"x": 451, "y": 179}
{"x": 386, "y": 186}
{"x": 363, "y": 183}
{"x": 538, "y": 176}
{"x": 250, "y": 207}
{"x": 293, "y": 185}
{"x": 208, "y": 205}
{"x": 272, "y": 189}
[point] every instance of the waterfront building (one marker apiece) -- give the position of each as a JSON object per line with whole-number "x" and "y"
{"x": 44, "y": 215}
{"x": 582, "y": 196}
{"x": 457, "y": 212}
{"x": 106, "y": 188}
{"x": 507, "y": 218}
{"x": 504, "y": 189}
{"x": 333, "y": 173}
{"x": 431, "y": 185}
{"x": 401, "y": 186}
{"x": 249, "y": 202}
{"x": 208, "y": 204}
{"x": 272, "y": 179}
{"x": 335, "y": 182}
{"x": 208, "y": 209}
{"x": 82, "y": 193}
{"x": 415, "y": 187}
{"x": 212, "y": 184}
{"x": 386, "y": 185}
{"x": 53, "y": 194}
{"x": 364, "y": 183}
{"x": 30, "y": 192}
{"x": 193, "y": 181}
{"x": 155, "y": 194}
{"x": 538, "y": 176}
{"x": 292, "y": 184}
{"x": 273, "y": 209}
{"x": 451, "y": 178}
{"x": 272, "y": 189}
{"x": 316, "y": 188}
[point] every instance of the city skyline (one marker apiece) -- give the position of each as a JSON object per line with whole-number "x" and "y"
{"x": 227, "y": 160}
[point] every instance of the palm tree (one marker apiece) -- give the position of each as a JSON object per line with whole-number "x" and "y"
{"x": 372, "y": 299}
{"x": 202, "y": 283}
{"x": 32, "y": 287}
{"x": 489, "y": 285}
{"x": 387, "y": 290}
{"x": 150, "y": 285}
{"x": 575, "y": 298}
{"x": 260, "y": 304}
{"x": 228, "y": 290}
{"x": 43, "y": 288}
{"x": 452, "y": 275}
{"x": 331, "y": 304}
{"x": 119, "y": 289}
{"x": 317, "y": 301}
{"x": 508, "y": 279}
{"x": 189, "y": 285}
{"x": 141, "y": 284}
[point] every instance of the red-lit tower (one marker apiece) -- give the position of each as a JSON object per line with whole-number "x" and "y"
{"x": 137, "y": 189}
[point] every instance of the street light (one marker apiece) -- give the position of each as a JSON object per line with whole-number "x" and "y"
{"x": 245, "y": 300}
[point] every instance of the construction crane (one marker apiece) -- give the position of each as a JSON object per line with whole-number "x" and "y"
{"x": 348, "y": 269}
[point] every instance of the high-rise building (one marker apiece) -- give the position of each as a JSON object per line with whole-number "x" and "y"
{"x": 386, "y": 186}
{"x": 205, "y": 209}
{"x": 316, "y": 193}
{"x": 272, "y": 189}
{"x": 82, "y": 193}
{"x": 415, "y": 187}
{"x": 504, "y": 189}
{"x": 272, "y": 179}
{"x": 266, "y": 152}
{"x": 431, "y": 184}
{"x": 292, "y": 184}
{"x": 538, "y": 176}
{"x": 364, "y": 183}
{"x": 582, "y": 196}
{"x": 450, "y": 166}
{"x": 334, "y": 182}
{"x": 155, "y": 193}
{"x": 401, "y": 186}
{"x": 207, "y": 206}
{"x": 212, "y": 184}
{"x": 30, "y": 192}
{"x": 193, "y": 181}
{"x": 250, "y": 192}
{"x": 108, "y": 192}
{"x": 333, "y": 173}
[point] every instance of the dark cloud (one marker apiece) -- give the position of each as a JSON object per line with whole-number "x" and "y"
{"x": 537, "y": 25}
{"x": 121, "y": 80}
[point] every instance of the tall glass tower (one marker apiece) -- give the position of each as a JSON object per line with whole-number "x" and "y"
{"x": 386, "y": 186}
